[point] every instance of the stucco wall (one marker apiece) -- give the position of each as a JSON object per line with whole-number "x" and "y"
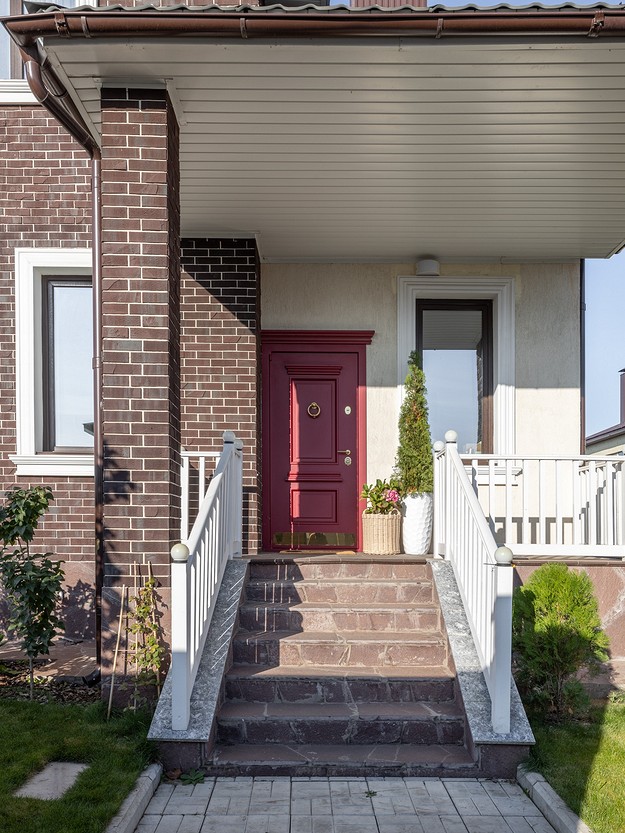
{"x": 364, "y": 296}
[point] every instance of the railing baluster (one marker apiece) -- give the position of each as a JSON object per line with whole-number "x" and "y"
{"x": 525, "y": 504}
{"x": 559, "y": 502}
{"x": 508, "y": 475}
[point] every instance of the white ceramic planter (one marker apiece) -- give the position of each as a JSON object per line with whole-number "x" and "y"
{"x": 417, "y": 524}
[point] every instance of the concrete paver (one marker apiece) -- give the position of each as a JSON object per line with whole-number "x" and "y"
{"x": 342, "y": 805}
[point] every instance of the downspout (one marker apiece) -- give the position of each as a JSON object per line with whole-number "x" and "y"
{"x": 71, "y": 120}
{"x": 98, "y": 435}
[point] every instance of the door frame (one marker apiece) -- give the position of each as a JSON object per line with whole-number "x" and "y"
{"x": 315, "y": 341}
{"x": 502, "y": 292}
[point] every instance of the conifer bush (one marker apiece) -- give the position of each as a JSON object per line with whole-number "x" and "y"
{"x": 556, "y": 631}
{"x": 414, "y": 465}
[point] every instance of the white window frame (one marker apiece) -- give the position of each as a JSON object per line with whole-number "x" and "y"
{"x": 14, "y": 91}
{"x": 30, "y": 266}
{"x": 501, "y": 291}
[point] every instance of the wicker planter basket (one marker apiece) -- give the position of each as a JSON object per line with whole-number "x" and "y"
{"x": 381, "y": 533}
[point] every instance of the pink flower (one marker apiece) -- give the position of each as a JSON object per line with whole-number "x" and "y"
{"x": 392, "y": 495}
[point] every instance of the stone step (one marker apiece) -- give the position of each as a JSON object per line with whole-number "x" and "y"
{"x": 328, "y": 568}
{"x": 397, "y": 616}
{"x": 348, "y": 648}
{"x": 339, "y": 684}
{"x": 340, "y": 591}
{"x": 310, "y": 760}
{"x": 336, "y": 723}
{"x": 331, "y": 684}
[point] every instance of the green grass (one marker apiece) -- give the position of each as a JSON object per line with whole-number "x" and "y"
{"x": 33, "y": 734}
{"x": 584, "y": 762}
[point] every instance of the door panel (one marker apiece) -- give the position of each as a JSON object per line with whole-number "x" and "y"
{"x": 311, "y": 428}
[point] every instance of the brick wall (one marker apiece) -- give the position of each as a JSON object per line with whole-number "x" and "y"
{"x": 45, "y": 201}
{"x": 140, "y": 350}
{"x": 220, "y": 327}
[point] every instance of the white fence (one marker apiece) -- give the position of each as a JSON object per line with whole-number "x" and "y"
{"x": 195, "y": 476}
{"x": 553, "y": 505}
{"x": 483, "y": 573}
{"x": 198, "y": 567}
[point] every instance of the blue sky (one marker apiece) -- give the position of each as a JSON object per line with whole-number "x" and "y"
{"x": 605, "y": 340}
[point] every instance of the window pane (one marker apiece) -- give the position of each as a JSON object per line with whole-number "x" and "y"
{"x": 71, "y": 375}
{"x": 5, "y": 40}
{"x": 453, "y": 366}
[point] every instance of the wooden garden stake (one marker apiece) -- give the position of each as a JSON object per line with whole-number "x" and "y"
{"x": 119, "y": 633}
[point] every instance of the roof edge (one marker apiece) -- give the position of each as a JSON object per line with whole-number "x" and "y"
{"x": 245, "y": 22}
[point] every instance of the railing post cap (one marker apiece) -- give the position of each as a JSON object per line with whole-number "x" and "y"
{"x": 179, "y": 552}
{"x": 503, "y": 556}
{"x": 239, "y": 445}
{"x": 229, "y": 436}
{"x": 439, "y": 445}
{"x": 451, "y": 436}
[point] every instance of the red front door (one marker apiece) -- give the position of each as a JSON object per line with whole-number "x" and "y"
{"x": 313, "y": 406}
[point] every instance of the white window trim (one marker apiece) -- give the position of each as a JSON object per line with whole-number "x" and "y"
{"x": 30, "y": 266}
{"x": 501, "y": 292}
{"x": 16, "y": 92}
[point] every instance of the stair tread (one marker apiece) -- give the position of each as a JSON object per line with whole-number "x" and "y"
{"x": 382, "y": 672}
{"x": 340, "y": 711}
{"x": 341, "y": 580}
{"x": 414, "y": 755}
{"x": 358, "y": 607}
{"x": 342, "y": 637}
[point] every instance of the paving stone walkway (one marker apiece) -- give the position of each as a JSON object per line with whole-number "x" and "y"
{"x": 342, "y": 805}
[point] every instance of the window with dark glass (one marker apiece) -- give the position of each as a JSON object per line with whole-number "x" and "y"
{"x": 454, "y": 339}
{"x": 67, "y": 371}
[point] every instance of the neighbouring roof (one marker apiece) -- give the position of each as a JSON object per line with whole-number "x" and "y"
{"x": 41, "y": 6}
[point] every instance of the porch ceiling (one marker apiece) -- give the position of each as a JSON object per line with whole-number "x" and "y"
{"x": 387, "y": 149}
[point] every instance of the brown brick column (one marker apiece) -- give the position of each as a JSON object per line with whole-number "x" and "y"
{"x": 140, "y": 357}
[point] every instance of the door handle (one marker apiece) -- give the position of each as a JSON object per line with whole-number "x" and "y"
{"x": 348, "y": 452}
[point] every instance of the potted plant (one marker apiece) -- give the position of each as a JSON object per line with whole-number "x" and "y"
{"x": 381, "y": 520}
{"x": 414, "y": 465}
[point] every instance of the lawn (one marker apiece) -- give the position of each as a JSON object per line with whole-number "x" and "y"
{"x": 584, "y": 762}
{"x": 33, "y": 734}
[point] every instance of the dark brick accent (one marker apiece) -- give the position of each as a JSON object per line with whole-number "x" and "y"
{"x": 220, "y": 344}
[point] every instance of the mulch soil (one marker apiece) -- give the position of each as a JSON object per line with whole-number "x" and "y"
{"x": 15, "y": 685}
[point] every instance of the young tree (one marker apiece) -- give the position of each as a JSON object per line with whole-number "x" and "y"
{"x": 32, "y": 581}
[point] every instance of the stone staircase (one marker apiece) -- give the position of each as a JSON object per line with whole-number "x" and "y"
{"x": 340, "y": 666}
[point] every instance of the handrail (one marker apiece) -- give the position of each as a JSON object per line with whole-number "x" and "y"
{"x": 483, "y": 573}
{"x": 197, "y": 571}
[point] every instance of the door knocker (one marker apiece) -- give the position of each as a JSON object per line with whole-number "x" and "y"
{"x": 313, "y": 410}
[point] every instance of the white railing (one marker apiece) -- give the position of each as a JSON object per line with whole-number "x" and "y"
{"x": 483, "y": 573}
{"x": 195, "y": 477}
{"x": 197, "y": 570}
{"x": 553, "y": 505}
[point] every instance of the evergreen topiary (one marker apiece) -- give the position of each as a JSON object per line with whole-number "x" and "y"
{"x": 414, "y": 456}
{"x": 556, "y": 631}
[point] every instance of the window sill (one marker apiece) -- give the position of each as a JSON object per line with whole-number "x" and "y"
{"x": 15, "y": 92}
{"x": 53, "y": 465}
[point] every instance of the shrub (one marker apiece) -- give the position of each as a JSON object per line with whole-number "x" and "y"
{"x": 556, "y": 631}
